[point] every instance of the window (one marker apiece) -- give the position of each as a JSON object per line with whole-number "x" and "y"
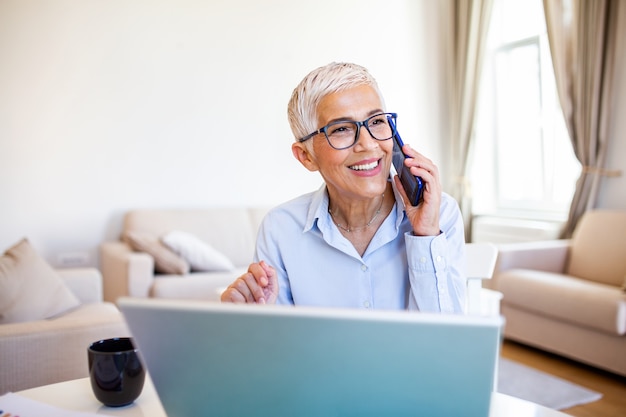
{"x": 523, "y": 161}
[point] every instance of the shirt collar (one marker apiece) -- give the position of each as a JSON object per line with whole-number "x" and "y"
{"x": 318, "y": 209}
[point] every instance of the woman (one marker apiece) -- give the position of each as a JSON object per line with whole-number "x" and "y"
{"x": 357, "y": 241}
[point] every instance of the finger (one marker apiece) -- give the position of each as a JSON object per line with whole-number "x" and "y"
{"x": 231, "y": 295}
{"x": 426, "y": 168}
{"x": 258, "y": 273}
{"x": 270, "y": 272}
{"x": 272, "y": 289}
{"x": 430, "y": 179}
{"x": 413, "y": 155}
{"x": 423, "y": 173}
{"x": 408, "y": 151}
{"x": 416, "y": 159}
{"x": 242, "y": 286}
{"x": 421, "y": 167}
{"x": 255, "y": 290}
{"x": 266, "y": 268}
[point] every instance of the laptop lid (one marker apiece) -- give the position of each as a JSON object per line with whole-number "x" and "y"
{"x": 211, "y": 359}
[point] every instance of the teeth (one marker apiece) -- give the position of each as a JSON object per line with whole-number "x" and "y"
{"x": 365, "y": 167}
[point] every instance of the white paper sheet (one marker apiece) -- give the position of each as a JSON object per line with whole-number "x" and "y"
{"x": 14, "y": 405}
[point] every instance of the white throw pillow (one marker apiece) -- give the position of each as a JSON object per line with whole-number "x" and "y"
{"x": 200, "y": 255}
{"x": 165, "y": 260}
{"x": 29, "y": 288}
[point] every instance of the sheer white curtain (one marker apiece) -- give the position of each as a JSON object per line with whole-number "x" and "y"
{"x": 583, "y": 36}
{"x": 469, "y": 21}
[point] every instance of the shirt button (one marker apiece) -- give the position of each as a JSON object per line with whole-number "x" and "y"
{"x": 439, "y": 258}
{"x": 363, "y": 268}
{"x": 366, "y": 304}
{"x": 423, "y": 260}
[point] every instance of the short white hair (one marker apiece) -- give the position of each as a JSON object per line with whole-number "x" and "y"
{"x": 331, "y": 78}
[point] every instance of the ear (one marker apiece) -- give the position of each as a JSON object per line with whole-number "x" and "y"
{"x": 302, "y": 154}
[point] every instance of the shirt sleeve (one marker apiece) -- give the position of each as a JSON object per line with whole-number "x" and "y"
{"x": 436, "y": 265}
{"x": 267, "y": 249}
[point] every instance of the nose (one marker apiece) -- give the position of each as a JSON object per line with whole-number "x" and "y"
{"x": 365, "y": 139}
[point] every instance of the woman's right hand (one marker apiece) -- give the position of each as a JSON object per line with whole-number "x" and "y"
{"x": 258, "y": 285}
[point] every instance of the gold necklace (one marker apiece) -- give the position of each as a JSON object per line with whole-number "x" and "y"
{"x": 351, "y": 229}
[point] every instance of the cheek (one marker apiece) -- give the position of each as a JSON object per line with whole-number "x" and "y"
{"x": 327, "y": 156}
{"x": 387, "y": 145}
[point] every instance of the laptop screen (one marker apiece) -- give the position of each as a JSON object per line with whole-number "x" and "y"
{"x": 244, "y": 360}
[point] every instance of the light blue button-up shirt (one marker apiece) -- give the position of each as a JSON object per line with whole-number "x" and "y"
{"x": 318, "y": 266}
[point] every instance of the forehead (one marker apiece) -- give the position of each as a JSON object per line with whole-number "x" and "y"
{"x": 353, "y": 103}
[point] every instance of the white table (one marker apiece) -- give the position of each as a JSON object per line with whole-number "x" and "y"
{"x": 77, "y": 395}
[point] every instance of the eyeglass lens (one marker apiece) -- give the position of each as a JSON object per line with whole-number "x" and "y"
{"x": 344, "y": 134}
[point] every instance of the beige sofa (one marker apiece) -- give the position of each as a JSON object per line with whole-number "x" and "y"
{"x": 229, "y": 230}
{"x": 48, "y": 351}
{"x": 568, "y": 296}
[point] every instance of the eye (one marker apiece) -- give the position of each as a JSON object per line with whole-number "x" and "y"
{"x": 341, "y": 128}
{"x": 379, "y": 119}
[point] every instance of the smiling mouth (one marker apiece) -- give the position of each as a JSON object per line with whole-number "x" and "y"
{"x": 365, "y": 167}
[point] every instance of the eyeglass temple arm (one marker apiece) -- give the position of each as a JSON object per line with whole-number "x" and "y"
{"x": 309, "y": 136}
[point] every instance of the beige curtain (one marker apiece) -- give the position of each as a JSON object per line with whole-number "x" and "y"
{"x": 469, "y": 20}
{"x": 582, "y": 36}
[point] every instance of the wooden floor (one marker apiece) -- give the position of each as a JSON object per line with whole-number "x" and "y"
{"x": 612, "y": 387}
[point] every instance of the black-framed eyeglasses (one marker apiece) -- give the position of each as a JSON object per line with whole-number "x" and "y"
{"x": 344, "y": 134}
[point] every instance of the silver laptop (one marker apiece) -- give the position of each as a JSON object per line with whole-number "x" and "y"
{"x": 211, "y": 359}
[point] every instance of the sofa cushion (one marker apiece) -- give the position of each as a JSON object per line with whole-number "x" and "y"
{"x": 598, "y": 251}
{"x": 165, "y": 261}
{"x": 230, "y": 229}
{"x": 198, "y": 285}
{"x": 574, "y": 300}
{"x": 29, "y": 288}
{"x": 200, "y": 255}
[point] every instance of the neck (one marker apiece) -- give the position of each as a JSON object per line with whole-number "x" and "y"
{"x": 345, "y": 220}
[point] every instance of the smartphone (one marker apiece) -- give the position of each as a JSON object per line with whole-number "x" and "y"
{"x": 413, "y": 186}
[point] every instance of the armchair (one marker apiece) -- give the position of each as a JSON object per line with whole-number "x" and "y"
{"x": 567, "y": 296}
{"x": 53, "y": 350}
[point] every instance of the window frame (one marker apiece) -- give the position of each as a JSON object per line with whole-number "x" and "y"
{"x": 551, "y": 131}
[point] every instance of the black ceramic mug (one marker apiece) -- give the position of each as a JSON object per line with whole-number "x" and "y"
{"x": 115, "y": 371}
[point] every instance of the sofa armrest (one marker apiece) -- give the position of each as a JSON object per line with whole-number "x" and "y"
{"x": 548, "y": 256}
{"x": 30, "y": 351}
{"x": 125, "y": 273}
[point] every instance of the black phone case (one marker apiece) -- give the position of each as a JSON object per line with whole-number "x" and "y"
{"x": 413, "y": 186}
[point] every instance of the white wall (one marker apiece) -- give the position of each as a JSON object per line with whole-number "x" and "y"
{"x": 111, "y": 105}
